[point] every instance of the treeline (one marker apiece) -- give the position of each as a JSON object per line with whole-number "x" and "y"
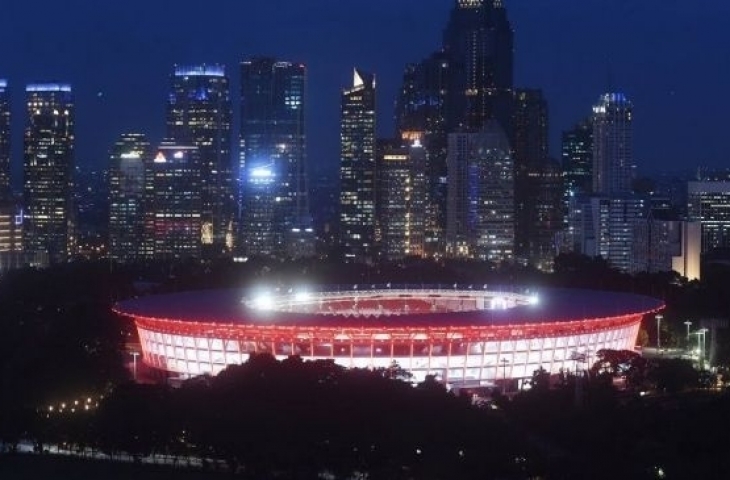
{"x": 293, "y": 419}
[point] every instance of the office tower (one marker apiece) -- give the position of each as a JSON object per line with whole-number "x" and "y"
{"x": 480, "y": 215}
{"x": 199, "y": 114}
{"x": 5, "y": 191}
{"x": 478, "y": 41}
{"x": 401, "y": 198}
{"x": 529, "y": 142}
{"x": 129, "y": 158}
{"x": 613, "y": 160}
{"x": 48, "y": 235}
{"x": 173, "y": 207}
{"x": 547, "y": 214}
{"x": 607, "y": 227}
{"x": 421, "y": 115}
{"x": 577, "y": 159}
{"x": 663, "y": 245}
{"x": 273, "y": 140}
{"x": 709, "y": 203}
{"x": 357, "y": 169}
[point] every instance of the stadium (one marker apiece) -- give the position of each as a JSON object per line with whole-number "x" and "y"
{"x": 464, "y": 335}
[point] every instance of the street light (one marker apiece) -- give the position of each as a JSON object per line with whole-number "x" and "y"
{"x": 504, "y": 375}
{"x": 701, "y": 345}
{"x": 658, "y": 331}
{"x": 688, "y": 323}
{"x": 134, "y": 364}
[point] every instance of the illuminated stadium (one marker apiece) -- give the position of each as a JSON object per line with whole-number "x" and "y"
{"x": 463, "y": 335}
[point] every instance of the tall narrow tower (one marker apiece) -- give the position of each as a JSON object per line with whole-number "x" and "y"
{"x": 479, "y": 43}
{"x": 273, "y": 196}
{"x": 613, "y": 161}
{"x": 130, "y": 157}
{"x": 357, "y": 168}
{"x": 4, "y": 141}
{"x": 48, "y": 173}
{"x": 199, "y": 114}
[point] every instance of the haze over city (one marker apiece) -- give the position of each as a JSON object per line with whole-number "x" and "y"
{"x": 669, "y": 57}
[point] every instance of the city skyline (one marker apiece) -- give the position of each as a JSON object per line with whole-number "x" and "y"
{"x": 670, "y": 102}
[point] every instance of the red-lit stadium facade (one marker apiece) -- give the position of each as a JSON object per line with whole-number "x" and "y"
{"x": 463, "y": 335}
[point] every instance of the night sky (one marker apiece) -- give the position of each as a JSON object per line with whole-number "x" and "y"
{"x": 671, "y": 57}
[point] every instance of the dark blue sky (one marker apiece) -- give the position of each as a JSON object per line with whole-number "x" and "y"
{"x": 671, "y": 57}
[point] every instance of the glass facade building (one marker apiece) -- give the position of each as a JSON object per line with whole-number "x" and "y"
{"x": 481, "y": 203}
{"x": 401, "y": 193}
{"x": 613, "y": 156}
{"x": 273, "y": 140}
{"x": 357, "y": 169}
{"x": 5, "y": 191}
{"x": 48, "y": 234}
{"x": 173, "y": 213}
{"x": 199, "y": 114}
{"x": 130, "y": 157}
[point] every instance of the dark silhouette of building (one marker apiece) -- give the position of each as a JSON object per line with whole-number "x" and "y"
{"x": 48, "y": 234}
{"x": 529, "y": 142}
{"x": 274, "y": 200}
{"x": 199, "y": 114}
{"x": 357, "y": 169}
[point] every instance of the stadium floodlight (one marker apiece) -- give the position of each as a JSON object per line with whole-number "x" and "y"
{"x": 534, "y": 300}
{"x": 263, "y": 301}
{"x": 302, "y": 296}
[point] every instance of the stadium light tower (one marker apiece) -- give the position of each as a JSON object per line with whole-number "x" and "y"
{"x": 658, "y": 331}
{"x": 688, "y": 323}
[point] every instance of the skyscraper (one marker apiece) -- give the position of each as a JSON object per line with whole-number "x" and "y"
{"x": 199, "y": 114}
{"x": 129, "y": 158}
{"x": 421, "y": 110}
{"x": 478, "y": 40}
{"x": 173, "y": 204}
{"x": 273, "y": 140}
{"x": 529, "y": 142}
{"x": 48, "y": 173}
{"x": 357, "y": 168}
{"x": 577, "y": 159}
{"x": 4, "y": 140}
{"x": 401, "y": 198}
{"x": 613, "y": 161}
{"x": 480, "y": 216}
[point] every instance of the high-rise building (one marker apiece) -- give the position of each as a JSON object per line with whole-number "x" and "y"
{"x": 478, "y": 40}
{"x": 48, "y": 173}
{"x": 577, "y": 159}
{"x": 5, "y": 191}
{"x": 173, "y": 204}
{"x": 401, "y": 199}
{"x": 357, "y": 169}
{"x": 421, "y": 110}
{"x": 199, "y": 114}
{"x": 273, "y": 140}
{"x": 613, "y": 160}
{"x": 480, "y": 215}
{"x": 547, "y": 214}
{"x": 608, "y": 227}
{"x": 529, "y": 142}
{"x": 130, "y": 157}
{"x": 709, "y": 204}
